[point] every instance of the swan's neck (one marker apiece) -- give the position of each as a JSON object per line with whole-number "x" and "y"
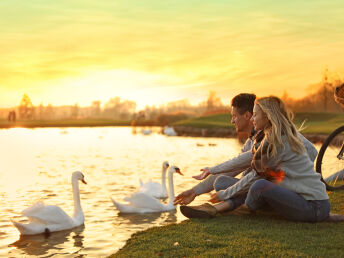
{"x": 76, "y": 196}
{"x": 163, "y": 178}
{"x": 170, "y": 188}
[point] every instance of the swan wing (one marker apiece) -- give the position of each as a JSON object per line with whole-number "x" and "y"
{"x": 145, "y": 201}
{"x": 149, "y": 184}
{"x": 151, "y": 188}
{"x": 49, "y": 214}
{"x": 34, "y": 227}
{"x": 128, "y": 208}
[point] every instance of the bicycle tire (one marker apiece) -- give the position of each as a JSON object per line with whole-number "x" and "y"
{"x": 327, "y": 162}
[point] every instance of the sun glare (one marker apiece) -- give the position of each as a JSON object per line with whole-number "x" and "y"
{"x": 141, "y": 87}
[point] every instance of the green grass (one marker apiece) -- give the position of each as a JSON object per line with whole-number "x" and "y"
{"x": 320, "y": 123}
{"x": 212, "y": 121}
{"x": 315, "y": 123}
{"x": 242, "y": 235}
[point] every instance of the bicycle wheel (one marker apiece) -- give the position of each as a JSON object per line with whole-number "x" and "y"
{"x": 330, "y": 160}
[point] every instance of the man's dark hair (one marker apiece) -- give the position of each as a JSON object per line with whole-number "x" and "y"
{"x": 244, "y": 102}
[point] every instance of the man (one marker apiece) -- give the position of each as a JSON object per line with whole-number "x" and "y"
{"x": 242, "y": 109}
{"x": 222, "y": 176}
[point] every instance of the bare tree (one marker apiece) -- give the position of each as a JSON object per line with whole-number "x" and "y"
{"x": 320, "y": 96}
{"x": 96, "y": 108}
{"x": 213, "y": 101}
{"x": 26, "y": 109}
{"x": 119, "y": 109}
{"x": 75, "y": 111}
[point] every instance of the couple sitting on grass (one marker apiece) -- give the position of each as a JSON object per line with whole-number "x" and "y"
{"x": 278, "y": 168}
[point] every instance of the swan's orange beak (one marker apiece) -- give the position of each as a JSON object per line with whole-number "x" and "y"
{"x": 83, "y": 180}
{"x": 178, "y": 171}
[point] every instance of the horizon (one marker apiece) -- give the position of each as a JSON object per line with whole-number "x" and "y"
{"x": 62, "y": 53}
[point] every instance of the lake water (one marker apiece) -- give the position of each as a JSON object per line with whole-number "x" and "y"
{"x": 36, "y": 165}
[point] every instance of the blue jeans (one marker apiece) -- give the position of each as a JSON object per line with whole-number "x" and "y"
{"x": 290, "y": 205}
{"x": 222, "y": 183}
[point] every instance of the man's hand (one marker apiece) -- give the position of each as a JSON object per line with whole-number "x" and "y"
{"x": 185, "y": 197}
{"x": 204, "y": 174}
{"x": 214, "y": 198}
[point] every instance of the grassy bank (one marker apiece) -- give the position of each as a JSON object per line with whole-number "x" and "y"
{"x": 212, "y": 121}
{"x": 315, "y": 123}
{"x": 241, "y": 234}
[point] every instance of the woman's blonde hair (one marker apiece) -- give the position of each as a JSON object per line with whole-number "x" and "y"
{"x": 280, "y": 123}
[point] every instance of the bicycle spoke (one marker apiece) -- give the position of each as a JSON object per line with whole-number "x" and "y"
{"x": 328, "y": 164}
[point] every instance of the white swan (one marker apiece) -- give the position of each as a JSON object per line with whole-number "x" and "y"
{"x": 156, "y": 189}
{"x": 169, "y": 131}
{"x": 144, "y": 203}
{"x": 49, "y": 218}
{"x": 146, "y": 131}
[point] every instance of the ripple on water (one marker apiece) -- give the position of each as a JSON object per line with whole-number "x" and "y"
{"x": 56, "y": 156}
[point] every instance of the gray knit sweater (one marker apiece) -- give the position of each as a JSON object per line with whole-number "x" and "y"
{"x": 300, "y": 176}
{"x": 240, "y": 163}
{"x": 243, "y": 160}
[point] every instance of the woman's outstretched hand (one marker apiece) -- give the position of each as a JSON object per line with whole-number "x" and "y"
{"x": 185, "y": 197}
{"x": 214, "y": 198}
{"x": 204, "y": 174}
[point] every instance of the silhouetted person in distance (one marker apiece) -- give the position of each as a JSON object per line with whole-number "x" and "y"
{"x": 12, "y": 116}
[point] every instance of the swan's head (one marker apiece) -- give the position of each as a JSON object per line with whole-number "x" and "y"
{"x": 165, "y": 165}
{"x": 79, "y": 176}
{"x": 175, "y": 169}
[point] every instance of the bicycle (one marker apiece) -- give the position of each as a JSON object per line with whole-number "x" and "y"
{"x": 330, "y": 159}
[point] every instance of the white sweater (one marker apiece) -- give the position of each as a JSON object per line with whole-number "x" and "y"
{"x": 300, "y": 176}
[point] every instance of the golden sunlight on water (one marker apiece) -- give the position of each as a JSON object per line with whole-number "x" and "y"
{"x": 37, "y": 165}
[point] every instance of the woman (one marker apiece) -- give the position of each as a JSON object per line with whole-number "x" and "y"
{"x": 282, "y": 175}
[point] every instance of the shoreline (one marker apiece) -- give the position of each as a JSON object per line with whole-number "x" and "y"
{"x": 225, "y": 234}
{"x": 231, "y": 133}
{"x": 187, "y": 131}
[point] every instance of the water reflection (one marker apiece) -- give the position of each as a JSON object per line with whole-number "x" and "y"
{"x": 112, "y": 167}
{"x": 148, "y": 218}
{"x": 45, "y": 244}
{"x": 138, "y": 219}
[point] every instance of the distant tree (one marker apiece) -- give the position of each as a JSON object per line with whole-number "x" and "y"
{"x": 178, "y": 105}
{"x": 213, "y": 101}
{"x": 49, "y": 112}
{"x": 320, "y": 96}
{"x": 95, "y": 107}
{"x": 26, "y": 109}
{"x": 141, "y": 115}
{"x": 75, "y": 111}
{"x": 326, "y": 88}
{"x": 119, "y": 109}
{"x": 150, "y": 112}
{"x": 41, "y": 111}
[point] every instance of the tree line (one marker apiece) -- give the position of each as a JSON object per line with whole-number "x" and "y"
{"x": 320, "y": 96}
{"x": 319, "y": 99}
{"x": 116, "y": 108}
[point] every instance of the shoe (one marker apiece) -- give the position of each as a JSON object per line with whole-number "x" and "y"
{"x": 335, "y": 218}
{"x": 205, "y": 210}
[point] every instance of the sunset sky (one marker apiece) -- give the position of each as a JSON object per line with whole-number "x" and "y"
{"x": 152, "y": 52}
